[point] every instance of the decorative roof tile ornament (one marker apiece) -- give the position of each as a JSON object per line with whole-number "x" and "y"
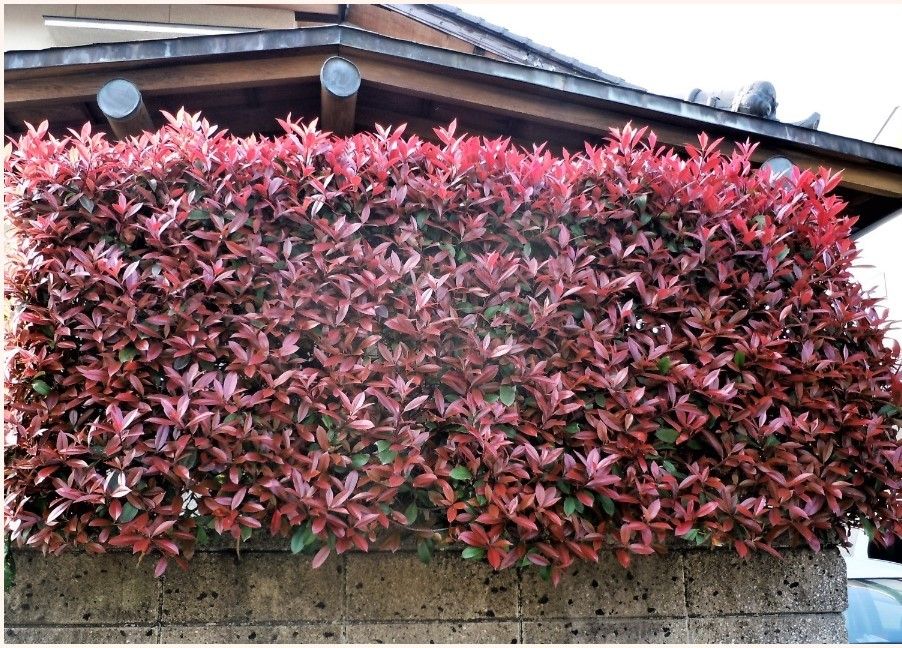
{"x": 758, "y": 98}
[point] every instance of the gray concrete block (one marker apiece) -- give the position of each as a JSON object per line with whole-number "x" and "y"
{"x": 720, "y": 583}
{"x": 79, "y": 635}
{"x": 770, "y": 628}
{"x": 399, "y": 586}
{"x": 81, "y": 589}
{"x": 260, "y": 541}
{"x": 259, "y": 588}
{"x": 435, "y": 632}
{"x": 663, "y": 630}
{"x": 651, "y": 587}
{"x": 275, "y": 633}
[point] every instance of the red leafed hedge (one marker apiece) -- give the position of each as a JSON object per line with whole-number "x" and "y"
{"x": 343, "y": 341}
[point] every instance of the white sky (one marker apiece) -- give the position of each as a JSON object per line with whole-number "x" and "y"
{"x": 841, "y": 60}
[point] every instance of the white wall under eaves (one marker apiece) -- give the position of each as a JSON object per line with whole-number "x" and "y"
{"x": 879, "y": 266}
{"x": 880, "y": 250}
{"x": 24, "y": 27}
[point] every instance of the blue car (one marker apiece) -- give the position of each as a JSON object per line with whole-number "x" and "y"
{"x": 874, "y": 614}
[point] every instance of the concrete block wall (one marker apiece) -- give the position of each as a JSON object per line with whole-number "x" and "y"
{"x": 268, "y": 595}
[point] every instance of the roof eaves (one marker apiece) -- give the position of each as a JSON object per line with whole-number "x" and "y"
{"x": 627, "y": 101}
{"x": 433, "y": 13}
{"x": 174, "y": 48}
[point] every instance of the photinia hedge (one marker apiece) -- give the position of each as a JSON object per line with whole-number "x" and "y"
{"x": 346, "y": 341}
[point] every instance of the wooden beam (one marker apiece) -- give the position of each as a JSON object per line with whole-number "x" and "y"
{"x": 339, "y": 82}
{"x": 560, "y": 112}
{"x": 390, "y": 23}
{"x": 170, "y": 79}
{"x": 122, "y": 106}
{"x": 368, "y": 116}
{"x": 555, "y": 110}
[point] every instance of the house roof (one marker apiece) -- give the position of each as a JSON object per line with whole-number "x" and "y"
{"x": 516, "y": 48}
{"x": 630, "y": 100}
{"x": 244, "y": 81}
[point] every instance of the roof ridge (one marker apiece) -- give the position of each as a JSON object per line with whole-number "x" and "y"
{"x": 455, "y": 13}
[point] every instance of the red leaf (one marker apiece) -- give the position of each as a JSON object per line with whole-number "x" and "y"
{"x": 320, "y": 557}
{"x": 160, "y": 567}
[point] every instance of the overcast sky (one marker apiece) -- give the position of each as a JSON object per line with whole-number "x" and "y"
{"x": 843, "y": 61}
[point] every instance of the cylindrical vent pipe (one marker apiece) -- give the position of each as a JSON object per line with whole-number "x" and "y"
{"x": 121, "y": 103}
{"x": 339, "y": 82}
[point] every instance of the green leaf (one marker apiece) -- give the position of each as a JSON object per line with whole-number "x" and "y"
{"x": 573, "y": 428}
{"x": 600, "y": 400}
{"x": 411, "y": 513}
{"x": 527, "y": 249}
{"x": 87, "y": 203}
{"x": 421, "y": 217}
{"x": 771, "y": 441}
{"x": 667, "y": 435}
{"x": 473, "y": 553}
{"x": 298, "y": 540}
{"x": 359, "y": 460}
{"x": 888, "y": 410}
{"x": 783, "y": 254}
{"x": 129, "y": 513}
{"x": 386, "y": 456}
{"x": 424, "y": 551}
{"x": 669, "y": 467}
{"x": 664, "y": 364}
{"x": 508, "y": 394}
{"x": 382, "y": 446}
{"x": 127, "y": 353}
{"x": 246, "y": 534}
{"x": 189, "y": 459}
{"x": 570, "y": 505}
{"x": 201, "y": 535}
{"x": 461, "y": 473}
{"x": 739, "y": 358}
{"x": 9, "y": 570}
{"x": 41, "y": 387}
{"x": 607, "y": 504}
{"x": 198, "y": 214}
{"x": 869, "y": 529}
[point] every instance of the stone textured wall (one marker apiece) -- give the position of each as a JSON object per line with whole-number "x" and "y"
{"x": 268, "y": 595}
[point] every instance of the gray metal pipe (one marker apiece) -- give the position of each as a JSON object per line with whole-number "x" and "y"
{"x": 121, "y": 103}
{"x": 339, "y": 83}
